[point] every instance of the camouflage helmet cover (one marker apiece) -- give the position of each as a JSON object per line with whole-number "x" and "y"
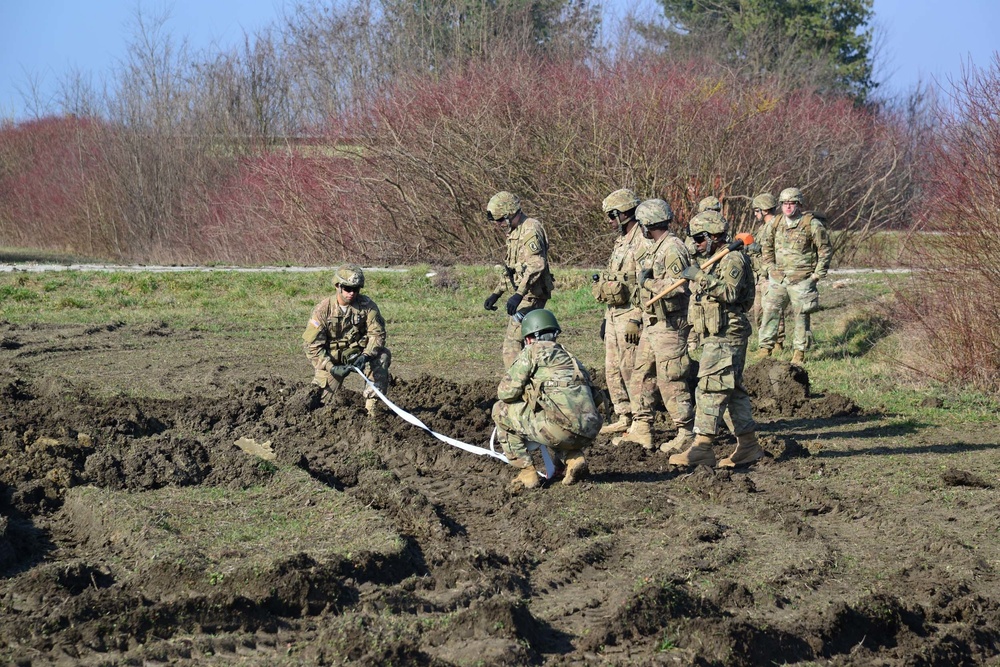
{"x": 711, "y": 222}
{"x": 539, "y": 321}
{"x": 653, "y": 213}
{"x": 790, "y": 194}
{"x": 349, "y": 275}
{"x": 620, "y": 200}
{"x": 710, "y": 204}
{"x": 503, "y": 204}
{"x": 765, "y": 201}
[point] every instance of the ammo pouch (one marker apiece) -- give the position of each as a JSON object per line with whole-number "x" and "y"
{"x": 707, "y": 317}
{"x": 612, "y": 292}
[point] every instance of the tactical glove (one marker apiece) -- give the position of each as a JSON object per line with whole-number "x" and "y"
{"x": 632, "y": 332}
{"x": 644, "y": 275}
{"x": 754, "y": 248}
{"x": 491, "y": 302}
{"x": 513, "y": 302}
{"x": 360, "y": 361}
{"x": 604, "y": 328}
{"x": 691, "y": 272}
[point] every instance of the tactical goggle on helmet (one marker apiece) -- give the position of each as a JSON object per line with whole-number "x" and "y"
{"x": 349, "y": 275}
{"x": 620, "y": 201}
{"x": 502, "y": 206}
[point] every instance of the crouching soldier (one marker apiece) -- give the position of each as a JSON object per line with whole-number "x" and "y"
{"x": 347, "y": 329}
{"x": 547, "y": 398}
{"x": 720, "y": 299}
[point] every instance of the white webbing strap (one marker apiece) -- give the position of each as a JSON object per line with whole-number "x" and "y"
{"x": 480, "y": 451}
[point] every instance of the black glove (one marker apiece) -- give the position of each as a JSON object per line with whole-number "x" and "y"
{"x": 360, "y": 361}
{"x": 632, "y": 332}
{"x": 604, "y": 328}
{"x": 644, "y": 275}
{"x": 491, "y": 302}
{"x": 513, "y": 302}
{"x": 691, "y": 272}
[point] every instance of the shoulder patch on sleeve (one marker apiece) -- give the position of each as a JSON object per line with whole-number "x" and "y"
{"x": 735, "y": 272}
{"x": 676, "y": 267}
{"x": 533, "y": 245}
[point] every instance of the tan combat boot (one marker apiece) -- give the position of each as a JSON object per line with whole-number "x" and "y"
{"x": 747, "y": 451}
{"x": 699, "y": 454}
{"x": 620, "y": 426}
{"x": 680, "y": 442}
{"x": 778, "y": 347}
{"x": 528, "y": 478}
{"x": 798, "y": 358}
{"x": 639, "y": 433}
{"x": 576, "y": 469}
{"x": 371, "y": 405}
{"x": 763, "y": 353}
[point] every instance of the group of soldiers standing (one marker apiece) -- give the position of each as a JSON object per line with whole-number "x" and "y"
{"x": 663, "y": 297}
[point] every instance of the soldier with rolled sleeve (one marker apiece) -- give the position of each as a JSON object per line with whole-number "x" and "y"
{"x": 796, "y": 254}
{"x": 345, "y": 330}
{"x": 525, "y": 271}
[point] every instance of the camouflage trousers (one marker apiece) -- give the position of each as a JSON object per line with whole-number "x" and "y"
{"x": 619, "y": 357}
{"x": 377, "y": 372}
{"x": 512, "y": 341}
{"x": 757, "y": 313}
{"x": 804, "y": 299}
{"x": 662, "y": 361}
{"x": 518, "y": 424}
{"x": 720, "y": 395}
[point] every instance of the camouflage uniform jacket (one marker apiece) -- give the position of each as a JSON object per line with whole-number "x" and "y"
{"x": 331, "y": 331}
{"x": 667, "y": 257}
{"x": 721, "y": 297}
{"x": 551, "y": 380}
{"x": 795, "y": 251}
{"x": 527, "y": 262}
{"x": 617, "y": 286}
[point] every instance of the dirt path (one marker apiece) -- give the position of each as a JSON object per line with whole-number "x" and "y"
{"x": 852, "y": 543}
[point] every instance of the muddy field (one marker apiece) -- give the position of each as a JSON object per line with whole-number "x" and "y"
{"x": 134, "y": 531}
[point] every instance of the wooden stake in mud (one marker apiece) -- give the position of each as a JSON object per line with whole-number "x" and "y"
{"x": 742, "y": 240}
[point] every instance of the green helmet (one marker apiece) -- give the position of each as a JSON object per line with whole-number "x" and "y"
{"x": 502, "y": 205}
{"x": 539, "y": 321}
{"x": 790, "y": 194}
{"x": 620, "y": 200}
{"x": 349, "y": 275}
{"x": 765, "y": 201}
{"x": 654, "y": 213}
{"x": 711, "y": 222}
{"x": 710, "y": 204}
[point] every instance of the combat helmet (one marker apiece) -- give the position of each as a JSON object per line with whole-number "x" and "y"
{"x": 502, "y": 205}
{"x": 765, "y": 201}
{"x": 620, "y": 200}
{"x": 710, "y": 204}
{"x": 710, "y": 222}
{"x": 349, "y": 275}
{"x": 790, "y": 194}
{"x": 654, "y": 213}
{"x": 539, "y": 321}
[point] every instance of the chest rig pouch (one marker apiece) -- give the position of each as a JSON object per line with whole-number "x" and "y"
{"x": 612, "y": 292}
{"x": 707, "y": 317}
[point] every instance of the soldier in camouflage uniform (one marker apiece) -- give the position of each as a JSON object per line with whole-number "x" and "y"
{"x": 616, "y": 288}
{"x": 525, "y": 270}
{"x": 709, "y": 203}
{"x": 764, "y": 209}
{"x": 721, "y": 296}
{"x": 347, "y": 329}
{"x": 796, "y": 255}
{"x": 546, "y": 398}
{"x": 662, "y": 358}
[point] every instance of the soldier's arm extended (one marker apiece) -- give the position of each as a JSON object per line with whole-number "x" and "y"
{"x": 724, "y": 287}
{"x": 533, "y": 259}
{"x": 824, "y": 250}
{"x": 375, "y": 328}
{"x": 511, "y": 389}
{"x": 316, "y": 338}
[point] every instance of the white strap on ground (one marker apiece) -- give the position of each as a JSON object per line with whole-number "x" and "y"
{"x": 550, "y": 466}
{"x": 481, "y": 451}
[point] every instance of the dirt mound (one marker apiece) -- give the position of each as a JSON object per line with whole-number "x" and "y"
{"x": 780, "y": 390}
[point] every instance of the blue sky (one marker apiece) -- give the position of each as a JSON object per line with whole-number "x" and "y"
{"x": 41, "y": 41}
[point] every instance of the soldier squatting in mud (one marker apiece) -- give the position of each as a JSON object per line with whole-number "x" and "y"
{"x": 658, "y": 291}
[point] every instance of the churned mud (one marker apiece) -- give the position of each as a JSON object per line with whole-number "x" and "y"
{"x": 135, "y": 531}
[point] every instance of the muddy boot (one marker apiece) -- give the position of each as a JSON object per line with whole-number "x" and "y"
{"x": 576, "y": 469}
{"x": 798, "y": 358}
{"x": 778, "y": 347}
{"x": 763, "y": 353}
{"x": 699, "y": 454}
{"x": 680, "y": 442}
{"x": 528, "y": 478}
{"x": 620, "y": 426}
{"x": 639, "y": 433}
{"x": 747, "y": 451}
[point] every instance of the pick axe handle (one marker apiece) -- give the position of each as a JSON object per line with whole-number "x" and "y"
{"x": 683, "y": 281}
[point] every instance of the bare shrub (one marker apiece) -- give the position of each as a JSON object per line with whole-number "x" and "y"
{"x": 952, "y": 303}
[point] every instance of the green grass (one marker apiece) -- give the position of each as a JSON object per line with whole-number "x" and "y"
{"x": 437, "y": 324}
